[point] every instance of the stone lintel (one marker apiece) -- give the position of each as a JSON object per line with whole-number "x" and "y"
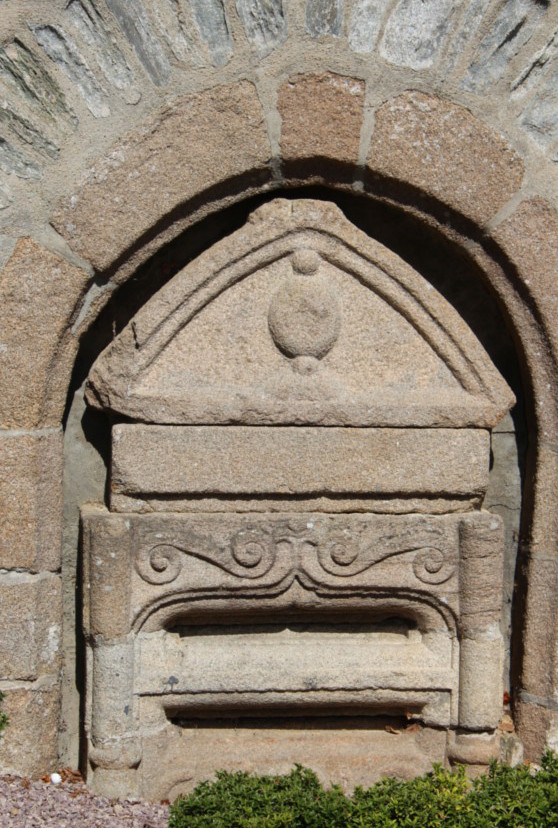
{"x": 295, "y": 461}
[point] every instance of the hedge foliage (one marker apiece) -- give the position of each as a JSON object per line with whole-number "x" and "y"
{"x": 505, "y": 797}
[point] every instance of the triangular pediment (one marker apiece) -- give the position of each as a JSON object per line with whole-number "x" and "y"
{"x": 299, "y": 317}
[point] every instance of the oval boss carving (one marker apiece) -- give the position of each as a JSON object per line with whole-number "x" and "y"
{"x": 304, "y": 316}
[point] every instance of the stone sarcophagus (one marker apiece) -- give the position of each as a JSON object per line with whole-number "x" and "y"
{"x": 294, "y": 553}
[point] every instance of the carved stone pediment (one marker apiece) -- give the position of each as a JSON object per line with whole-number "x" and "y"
{"x": 299, "y": 318}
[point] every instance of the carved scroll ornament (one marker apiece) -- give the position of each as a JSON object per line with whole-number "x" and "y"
{"x": 253, "y": 552}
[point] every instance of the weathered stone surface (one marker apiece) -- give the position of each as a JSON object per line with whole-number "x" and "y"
{"x": 88, "y": 20}
{"x": 442, "y": 150}
{"x": 211, "y": 19}
{"x": 552, "y": 733}
{"x": 28, "y": 746}
{"x": 511, "y": 750}
{"x": 539, "y": 571}
{"x": 303, "y": 320}
{"x": 542, "y": 573}
{"x": 480, "y": 680}
{"x": 23, "y": 73}
{"x": 481, "y": 644}
{"x": 355, "y": 561}
{"x": 6, "y": 197}
{"x": 471, "y": 19}
{"x": 416, "y": 31}
{"x": 84, "y": 482}
{"x": 540, "y": 117}
{"x": 30, "y": 619}
{"x": 7, "y": 245}
{"x": 515, "y": 23}
{"x": 38, "y": 294}
{"x": 365, "y": 24}
{"x": 63, "y": 50}
{"x": 271, "y": 666}
{"x": 395, "y": 652}
{"x": 324, "y": 17}
{"x": 476, "y": 750}
{"x": 481, "y": 544}
{"x": 537, "y": 67}
{"x": 106, "y": 575}
{"x": 241, "y": 460}
{"x": 264, "y": 23}
{"x": 359, "y": 754}
{"x": 30, "y": 501}
{"x": 533, "y": 717}
{"x": 309, "y": 105}
{"x": 503, "y": 497}
{"x": 537, "y": 84}
{"x": 12, "y": 161}
{"x": 178, "y": 31}
{"x": 113, "y": 679}
{"x": 27, "y": 132}
{"x": 529, "y": 238}
{"x": 152, "y": 169}
{"x": 134, "y": 22}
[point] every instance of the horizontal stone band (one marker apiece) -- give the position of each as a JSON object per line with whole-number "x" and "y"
{"x": 283, "y": 461}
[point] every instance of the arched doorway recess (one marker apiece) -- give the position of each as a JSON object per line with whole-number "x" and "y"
{"x": 469, "y": 193}
{"x": 452, "y": 272}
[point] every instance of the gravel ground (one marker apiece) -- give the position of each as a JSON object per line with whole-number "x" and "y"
{"x": 41, "y": 804}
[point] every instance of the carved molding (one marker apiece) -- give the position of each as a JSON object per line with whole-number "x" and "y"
{"x": 253, "y": 553}
{"x": 297, "y": 318}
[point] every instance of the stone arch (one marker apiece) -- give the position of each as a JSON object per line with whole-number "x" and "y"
{"x": 479, "y": 254}
{"x": 510, "y": 232}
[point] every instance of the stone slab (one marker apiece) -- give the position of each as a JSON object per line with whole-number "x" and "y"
{"x": 30, "y": 620}
{"x": 415, "y": 32}
{"x": 429, "y": 706}
{"x": 254, "y": 504}
{"x": 349, "y": 567}
{"x": 444, "y": 151}
{"x": 196, "y": 143}
{"x": 309, "y": 105}
{"x": 237, "y": 618}
{"x": 38, "y": 294}
{"x": 304, "y": 660}
{"x": 299, "y": 318}
{"x": 349, "y": 752}
{"x": 290, "y": 461}
{"x": 28, "y": 746}
{"x": 30, "y": 500}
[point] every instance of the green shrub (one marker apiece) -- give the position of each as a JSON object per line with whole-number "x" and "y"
{"x": 512, "y": 797}
{"x": 3, "y": 717}
{"x": 504, "y": 798}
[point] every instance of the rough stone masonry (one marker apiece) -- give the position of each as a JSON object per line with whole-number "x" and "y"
{"x": 278, "y": 404}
